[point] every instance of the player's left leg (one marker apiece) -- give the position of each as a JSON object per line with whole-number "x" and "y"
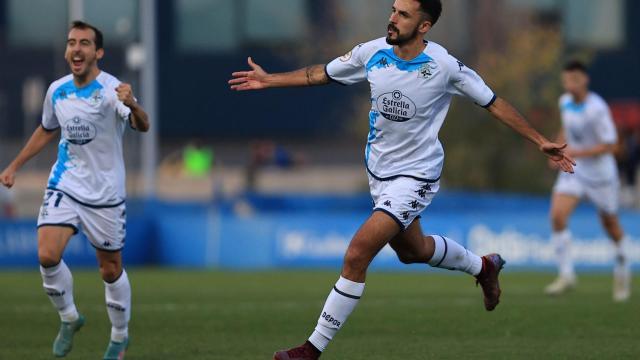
{"x": 606, "y": 197}
{"x": 106, "y": 230}
{"x": 118, "y": 300}
{"x": 345, "y": 295}
{"x": 622, "y": 267}
{"x": 413, "y": 247}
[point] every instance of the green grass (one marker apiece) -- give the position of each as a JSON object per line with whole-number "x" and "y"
{"x": 214, "y": 315}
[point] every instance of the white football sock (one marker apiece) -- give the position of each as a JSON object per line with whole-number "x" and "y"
{"x": 58, "y": 284}
{"x": 562, "y": 242}
{"x": 118, "y": 298}
{"x": 620, "y": 251}
{"x": 341, "y": 301}
{"x": 450, "y": 255}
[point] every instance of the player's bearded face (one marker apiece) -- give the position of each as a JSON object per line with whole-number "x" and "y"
{"x": 81, "y": 53}
{"x": 396, "y": 37}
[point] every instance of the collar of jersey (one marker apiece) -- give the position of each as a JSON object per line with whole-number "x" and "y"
{"x": 70, "y": 87}
{"x": 385, "y": 57}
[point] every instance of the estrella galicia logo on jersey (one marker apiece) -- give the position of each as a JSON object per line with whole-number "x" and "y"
{"x": 78, "y": 131}
{"x": 396, "y": 107}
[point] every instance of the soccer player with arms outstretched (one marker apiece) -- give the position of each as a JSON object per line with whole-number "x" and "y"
{"x": 588, "y": 129}
{"x": 86, "y": 189}
{"x": 412, "y": 83}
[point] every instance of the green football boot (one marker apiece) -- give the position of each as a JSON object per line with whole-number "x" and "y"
{"x": 64, "y": 341}
{"x": 116, "y": 350}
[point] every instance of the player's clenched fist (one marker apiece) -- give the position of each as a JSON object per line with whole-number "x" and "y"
{"x": 125, "y": 94}
{"x": 7, "y": 178}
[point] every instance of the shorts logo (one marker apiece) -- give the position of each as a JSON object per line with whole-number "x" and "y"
{"x": 395, "y": 106}
{"x": 78, "y": 131}
{"x": 387, "y": 203}
{"x": 414, "y": 204}
{"x": 405, "y": 215}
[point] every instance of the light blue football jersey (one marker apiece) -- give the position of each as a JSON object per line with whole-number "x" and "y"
{"x": 90, "y": 165}
{"x": 586, "y": 125}
{"x": 409, "y": 102}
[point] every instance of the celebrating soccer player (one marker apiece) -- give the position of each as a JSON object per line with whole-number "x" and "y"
{"x": 412, "y": 83}
{"x": 86, "y": 188}
{"x": 589, "y": 130}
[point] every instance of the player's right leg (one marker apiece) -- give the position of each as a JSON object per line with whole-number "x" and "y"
{"x": 58, "y": 221}
{"x": 58, "y": 283}
{"x": 413, "y": 247}
{"x": 379, "y": 229}
{"x": 562, "y": 206}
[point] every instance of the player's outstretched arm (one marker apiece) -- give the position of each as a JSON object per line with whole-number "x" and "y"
{"x": 506, "y": 113}
{"x": 257, "y": 78}
{"x": 36, "y": 143}
{"x": 139, "y": 118}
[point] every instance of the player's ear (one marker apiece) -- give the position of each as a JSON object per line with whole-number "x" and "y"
{"x": 100, "y": 54}
{"x": 425, "y": 26}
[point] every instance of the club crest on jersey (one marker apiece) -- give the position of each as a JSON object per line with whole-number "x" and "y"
{"x": 427, "y": 70}
{"x": 96, "y": 98}
{"x": 78, "y": 131}
{"x": 395, "y": 106}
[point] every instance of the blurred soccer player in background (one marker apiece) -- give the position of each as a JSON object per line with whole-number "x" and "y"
{"x": 7, "y": 206}
{"x": 86, "y": 189}
{"x": 589, "y": 130}
{"x": 412, "y": 84}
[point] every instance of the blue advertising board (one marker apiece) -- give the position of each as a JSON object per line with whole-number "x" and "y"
{"x": 313, "y": 232}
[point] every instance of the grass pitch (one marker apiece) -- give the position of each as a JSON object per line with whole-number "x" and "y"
{"x": 218, "y": 315}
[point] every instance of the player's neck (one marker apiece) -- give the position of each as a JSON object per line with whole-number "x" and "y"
{"x": 82, "y": 81}
{"x": 580, "y": 97}
{"x": 410, "y": 50}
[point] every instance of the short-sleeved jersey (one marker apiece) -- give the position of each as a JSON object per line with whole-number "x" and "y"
{"x": 90, "y": 165}
{"x": 586, "y": 125}
{"x": 409, "y": 102}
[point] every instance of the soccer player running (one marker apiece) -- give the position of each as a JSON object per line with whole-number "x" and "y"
{"x": 412, "y": 84}
{"x": 588, "y": 129}
{"x": 86, "y": 188}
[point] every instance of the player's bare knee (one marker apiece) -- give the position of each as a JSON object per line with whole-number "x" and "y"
{"x": 355, "y": 261}
{"x": 110, "y": 271}
{"x": 558, "y": 221}
{"x": 406, "y": 257}
{"x": 48, "y": 258}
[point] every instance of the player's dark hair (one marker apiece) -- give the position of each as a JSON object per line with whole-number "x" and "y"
{"x": 576, "y": 65}
{"x": 99, "y": 39}
{"x": 432, "y": 9}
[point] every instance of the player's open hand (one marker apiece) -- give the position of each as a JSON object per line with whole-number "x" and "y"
{"x": 249, "y": 80}
{"x": 8, "y": 178}
{"x": 557, "y": 155}
{"x": 125, "y": 94}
